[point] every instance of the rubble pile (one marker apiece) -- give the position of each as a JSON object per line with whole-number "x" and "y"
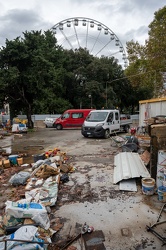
{"x": 160, "y": 119}
{"x": 27, "y": 213}
{"x": 28, "y": 220}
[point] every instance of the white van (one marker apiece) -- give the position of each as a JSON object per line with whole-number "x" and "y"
{"x": 103, "y": 123}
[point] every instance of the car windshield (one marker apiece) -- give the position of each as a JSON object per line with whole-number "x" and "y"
{"x": 97, "y": 116}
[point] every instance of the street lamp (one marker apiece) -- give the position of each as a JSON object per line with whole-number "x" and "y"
{"x": 81, "y": 80}
{"x": 90, "y": 96}
{"x": 106, "y": 91}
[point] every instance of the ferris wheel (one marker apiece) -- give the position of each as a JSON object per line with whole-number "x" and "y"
{"x": 98, "y": 39}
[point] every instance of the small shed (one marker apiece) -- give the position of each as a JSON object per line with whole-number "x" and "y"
{"x": 151, "y": 108}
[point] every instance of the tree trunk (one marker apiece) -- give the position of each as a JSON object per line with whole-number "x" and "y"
{"x": 12, "y": 114}
{"x": 30, "y": 122}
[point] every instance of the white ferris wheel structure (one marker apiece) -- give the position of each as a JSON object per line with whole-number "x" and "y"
{"x": 97, "y": 38}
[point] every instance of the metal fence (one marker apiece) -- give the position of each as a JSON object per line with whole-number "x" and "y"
{"x": 43, "y": 116}
{"x": 4, "y": 118}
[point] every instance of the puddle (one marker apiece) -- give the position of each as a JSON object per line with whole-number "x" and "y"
{"x": 22, "y": 144}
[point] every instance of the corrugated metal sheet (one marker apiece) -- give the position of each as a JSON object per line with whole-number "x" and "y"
{"x": 128, "y": 165}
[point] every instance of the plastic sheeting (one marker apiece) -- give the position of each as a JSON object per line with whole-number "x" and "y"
{"x": 28, "y": 233}
{"x": 39, "y": 215}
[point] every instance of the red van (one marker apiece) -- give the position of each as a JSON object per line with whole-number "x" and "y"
{"x": 71, "y": 118}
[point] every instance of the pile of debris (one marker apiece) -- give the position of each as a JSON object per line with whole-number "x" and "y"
{"x": 25, "y": 222}
{"x": 159, "y": 119}
{"x": 28, "y": 221}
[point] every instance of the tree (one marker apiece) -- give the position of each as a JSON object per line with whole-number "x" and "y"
{"x": 156, "y": 46}
{"x": 28, "y": 69}
{"x": 147, "y": 63}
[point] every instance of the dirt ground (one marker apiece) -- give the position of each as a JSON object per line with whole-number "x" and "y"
{"x": 119, "y": 218}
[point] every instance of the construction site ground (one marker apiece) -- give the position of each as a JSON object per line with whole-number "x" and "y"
{"x": 119, "y": 218}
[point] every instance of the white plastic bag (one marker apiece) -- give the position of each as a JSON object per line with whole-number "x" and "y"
{"x": 26, "y": 232}
{"x": 24, "y": 209}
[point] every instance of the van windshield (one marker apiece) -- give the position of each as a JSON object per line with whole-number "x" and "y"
{"x": 65, "y": 115}
{"x": 96, "y": 116}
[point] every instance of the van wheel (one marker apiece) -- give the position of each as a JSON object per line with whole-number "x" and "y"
{"x": 107, "y": 134}
{"x": 59, "y": 127}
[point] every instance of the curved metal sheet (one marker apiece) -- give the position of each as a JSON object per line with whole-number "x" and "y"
{"x": 128, "y": 165}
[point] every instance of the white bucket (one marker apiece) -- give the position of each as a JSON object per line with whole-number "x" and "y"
{"x": 148, "y": 186}
{"x": 162, "y": 194}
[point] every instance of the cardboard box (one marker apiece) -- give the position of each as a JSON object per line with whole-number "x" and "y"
{"x": 6, "y": 164}
{"x": 20, "y": 161}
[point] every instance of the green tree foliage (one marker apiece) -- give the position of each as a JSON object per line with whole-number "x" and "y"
{"x": 156, "y": 46}
{"x": 138, "y": 71}
{"x": 147, "y": 63}
{"x": 87, "y": 76}
{"x": 75, "y": 64}
{"x": 29, "y": 71}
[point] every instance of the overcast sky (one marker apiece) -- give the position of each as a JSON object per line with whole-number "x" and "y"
{"x": 128, "y": 19}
